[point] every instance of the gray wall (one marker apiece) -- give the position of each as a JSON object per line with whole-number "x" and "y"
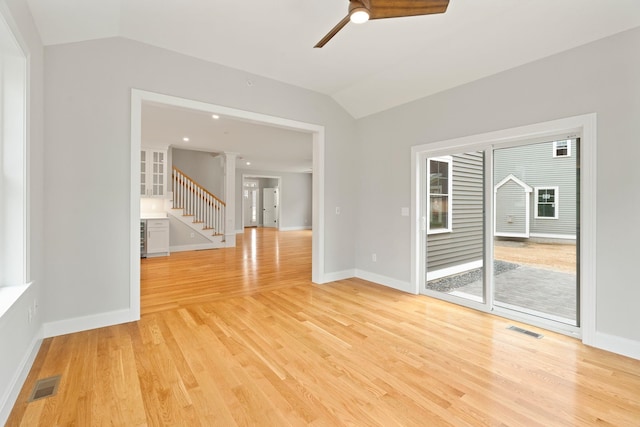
{"x": 180, "y": 234}
{"x": 295, "y": 197}
{"x": 600, "y": 77}
{"x": 84, "y": 256}
{"x": 204, "y": 168}
{"x": 87, "y": 98}
{"x": 18, "y": 337}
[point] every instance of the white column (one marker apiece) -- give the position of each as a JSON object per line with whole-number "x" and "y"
{"x": 230, "y": 198}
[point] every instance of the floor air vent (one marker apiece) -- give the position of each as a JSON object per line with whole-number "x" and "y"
{"x": 45, "y": 387}
{"x": 524, "y": 331}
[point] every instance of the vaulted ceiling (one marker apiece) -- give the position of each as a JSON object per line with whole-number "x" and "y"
{"x": 366, "y": 68}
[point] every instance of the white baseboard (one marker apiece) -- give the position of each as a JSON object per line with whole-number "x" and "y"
{"x": 337, "y": 275}
{"x": 371, "y": 277}
{"x": 302, "y": 227}
{"x": 197, "y": 247}
{"x": 13, "y": 389}
{"x": 85, "y": 323}
{"x": 615, "y": 344}
{"x": 386, "y": 281}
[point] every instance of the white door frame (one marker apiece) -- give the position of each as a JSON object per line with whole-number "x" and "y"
{"x": 318, "y": 137}
{"x": 244, "y": 203}
{"x": 249, "y": 176}
{"x": 585, "y": 126}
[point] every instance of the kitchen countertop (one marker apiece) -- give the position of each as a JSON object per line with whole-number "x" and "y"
{"x": 155, "y": 215}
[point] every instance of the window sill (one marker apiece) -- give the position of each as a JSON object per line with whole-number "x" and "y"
{"x": 9, "y": 295}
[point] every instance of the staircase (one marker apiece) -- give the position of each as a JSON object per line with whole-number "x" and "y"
{"x": 196, "y": 207}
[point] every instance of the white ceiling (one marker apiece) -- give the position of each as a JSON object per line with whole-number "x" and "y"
{"x": 366, "y": 68}
{"x": 267, "y": 148}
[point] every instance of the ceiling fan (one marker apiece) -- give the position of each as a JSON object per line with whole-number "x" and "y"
{"x": 363, "y": 10}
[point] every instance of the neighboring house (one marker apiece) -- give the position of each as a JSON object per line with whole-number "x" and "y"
{"x": 535, "y": 190}
{"x": 454, "y": 236}
{"x": 535, "y": 196}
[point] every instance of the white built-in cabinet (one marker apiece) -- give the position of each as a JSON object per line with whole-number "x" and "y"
{"x": 153, "y": 173}
{"x": 157, "y": 237}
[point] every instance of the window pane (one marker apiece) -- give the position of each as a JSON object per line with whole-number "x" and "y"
{"x": 438, "y": 216}
{"x": 546, "y": 210}
{"x": 439, "y": 179}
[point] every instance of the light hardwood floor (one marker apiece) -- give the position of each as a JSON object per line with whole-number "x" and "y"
{"x": 241, "y": 336}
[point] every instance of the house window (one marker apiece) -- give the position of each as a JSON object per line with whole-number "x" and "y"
{"x": 546, "y": 202}
{"x": 439, "y": 194}
{"x": 14, "y": 216}
{"x": 562, "y": 148}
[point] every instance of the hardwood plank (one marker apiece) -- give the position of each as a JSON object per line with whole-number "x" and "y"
{"x": 240, "y": 336}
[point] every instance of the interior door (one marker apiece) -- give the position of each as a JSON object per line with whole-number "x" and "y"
{"x": 270, "y": 207}
{"x": 251, "y": 201}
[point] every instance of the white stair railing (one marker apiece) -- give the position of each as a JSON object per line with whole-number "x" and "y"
{"x": 196, "y": 201}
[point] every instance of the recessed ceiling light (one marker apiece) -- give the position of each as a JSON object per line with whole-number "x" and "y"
{"x": 215, "y": 116}
{"x": 248, "y": 163}
{"x": 185, "y": 139}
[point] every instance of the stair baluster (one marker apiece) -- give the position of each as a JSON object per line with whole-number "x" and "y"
{"x": 198, "y": 202}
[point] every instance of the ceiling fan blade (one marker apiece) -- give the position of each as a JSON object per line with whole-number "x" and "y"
{"x": 333, "y": 32}
{"x": 381, "y": 9}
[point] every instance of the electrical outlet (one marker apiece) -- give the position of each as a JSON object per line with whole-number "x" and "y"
{"x": 374, "y": 258}
{"x": 193, "y": 235}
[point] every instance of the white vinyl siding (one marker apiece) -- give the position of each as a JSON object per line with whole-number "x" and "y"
{"x": 511, "y": 201}
{"x": 464, "y": 244}
{"x": 534, "y": 165}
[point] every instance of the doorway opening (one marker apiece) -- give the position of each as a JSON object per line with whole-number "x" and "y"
{"x": 261, "y": 196}
{"x": 138, "y": 97}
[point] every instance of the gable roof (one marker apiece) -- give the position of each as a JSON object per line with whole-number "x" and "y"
{"x": 515, "y": 179}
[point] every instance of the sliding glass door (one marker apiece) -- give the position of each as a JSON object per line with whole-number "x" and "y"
{"x": 500, "y": 228}
{"x": 536, "y": 219}
{"x": 455, "y": 225}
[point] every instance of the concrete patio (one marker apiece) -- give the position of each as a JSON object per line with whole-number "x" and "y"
{"x": 535, "y": 289}
{"x": 539, "y": 279}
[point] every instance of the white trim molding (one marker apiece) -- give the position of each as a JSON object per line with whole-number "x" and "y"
{"x": 390, "y": 282}
{"x": 138, "y": 97}
{"x": 7, "y": 401}
{"x": 85, "y": 323}
{"x": 456, "y": 269}
{"x": 616, "y": 344}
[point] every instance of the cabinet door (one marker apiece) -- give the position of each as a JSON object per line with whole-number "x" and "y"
{"x": 158, "y": 173}
{"x": 143, "y": 173}
{"x": 153, "y": 173}
{"x": 157, "y": 240}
